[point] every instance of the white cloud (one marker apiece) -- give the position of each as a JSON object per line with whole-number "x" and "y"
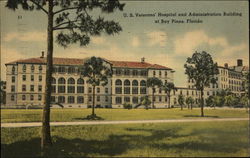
{"x": 188, "y": 43}
{"x": 157, "y": 38}
{"x": 25, "y": 36}
{"x": 135, "y": 41}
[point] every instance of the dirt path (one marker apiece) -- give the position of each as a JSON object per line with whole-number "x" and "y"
{"x": 37, "y": 124}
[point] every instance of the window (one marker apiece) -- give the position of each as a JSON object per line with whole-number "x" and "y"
{"x": 40, "y": 78}
{"x": 154, "y": 73}
{"x": 135, "y": 83}
{"x": 31, "y": 97}
{"x": 118, "y": 82}
{"x": 55, "y": 70}
{"x": 187, "y": 92}
{"x": 118, "y": 72}
{"x": 127, "y": 83}
{"x": 61, "y": 89}
{"x": 106, "y": 90}
{"x": 61, "y": 81}
{"x": 23, "y": 88}
{"x": 80, "y": 89}
{"x": 143, "y": 73}
{"x": 90, "y": 90}
{"x": 71, "y": 70}
{"x": 166, "y": 99}
{"x": 13, "y": 70}
{"x": 134, "y": 90}
{"x": 143, "y": 90}
{"x": 166, "y": 73}
{"x": 207, "y": 93}
{"x": 127, "y": 72}
{"x": 40, "y": 88}
{"x": 23, "y": 97}
{"x": 71, "y": 81}
{"x": 135, "y": 72}
{"x": 24, "y": 77}
{"x": 71, "y": 89}
{"x": 126, "y": 90}
{"x": 61, "y": 69}
{"x": 118, "y": 90}
{"x": 32, "y": 88}
{"x": 135, "y": 100}
{"x": 24, "y": 68}
{"x": 160, "y": 98}
{"x": 80, "y": 99}
{"x": 12, "y": 88}
{"x": 106, "y": 98}
{"x": 118, "y": 100}
{"x": 53, "y": 81}
{"x": 61, "y": 99}
{"x": 98, "y": 90}
{"x": 13, "y": 79}
{"x": 53, "y": 99}
{"x": 39, "y": 97}
{"x": 143, "y": 83}
{"x": 32, "y": 77}
{"x": 71, "y": 99}
{"x": 90, "y": 98}
{"x": 126, "y": 99}
{"x": 40, "y": 68}
{"x": 12, "y": 98}
{"x": 80, "y": 81}
{"x": 32, "y": 68}
{"x": 159, "y": 90}
{"x": 159, "y": 73}
{"x": 98, "y": 98}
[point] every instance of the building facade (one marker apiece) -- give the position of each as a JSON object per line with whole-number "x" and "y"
{"x": 26, "y": 84}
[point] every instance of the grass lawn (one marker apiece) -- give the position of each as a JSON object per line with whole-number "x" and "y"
{"x": 228, "y": 139}
{"x": 29, "y": 115}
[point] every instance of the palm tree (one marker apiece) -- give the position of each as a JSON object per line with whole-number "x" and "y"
{"x": 181, "y": 100}
{"x": 190, "y": 102}
{"x": 153, "y": 82}
{"x": 168, "y": 87}
{"x": 97, "y": 71}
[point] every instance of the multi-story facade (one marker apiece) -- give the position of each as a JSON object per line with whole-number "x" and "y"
{"x": 26, "y": 83}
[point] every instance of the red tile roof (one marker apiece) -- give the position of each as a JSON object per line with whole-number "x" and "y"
{"x": 74, "y": 61}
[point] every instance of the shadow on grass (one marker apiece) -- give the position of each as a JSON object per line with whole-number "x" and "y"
{"x": 90, "y": 117}
{"x": 206, "y": 116}
{"x": 118, "y": 144}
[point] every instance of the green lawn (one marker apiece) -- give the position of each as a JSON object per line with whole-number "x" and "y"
{"x": 23, "y": 115}
{"x": 228, "y": 139}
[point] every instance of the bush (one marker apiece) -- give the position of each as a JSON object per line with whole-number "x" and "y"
{"x": 127, "y": 106}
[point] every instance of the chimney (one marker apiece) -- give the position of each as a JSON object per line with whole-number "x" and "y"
{"x": 42, "y": 55}
{"x": 142, "y": 59}
{"x": 226, "y": 65}
{"x": 239, "y": 62}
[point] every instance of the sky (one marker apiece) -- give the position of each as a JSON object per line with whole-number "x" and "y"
{"x": 226, "y": 38}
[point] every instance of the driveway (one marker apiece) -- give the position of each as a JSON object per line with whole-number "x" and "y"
{"x": 37, "y": 124}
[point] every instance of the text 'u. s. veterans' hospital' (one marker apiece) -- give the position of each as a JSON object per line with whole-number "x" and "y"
{"x": 25, "y": 83}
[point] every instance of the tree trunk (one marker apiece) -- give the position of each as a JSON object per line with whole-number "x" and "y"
{"x": 202, "y": 104}
{"x": 46, "y": 137}
{"x": 181, "y": 107}
{"x": 153, "y": 106}
{"x": 191, "y": 106}
{"x": 169, "y": 106}
{"x": 93, "y": 101}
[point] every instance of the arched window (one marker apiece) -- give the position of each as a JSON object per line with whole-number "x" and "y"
{"x": 80, "y": 81}
{"x": 61, "y": 81}
{"x": 118, "y": 82}
{"x": 135, "y": 83}
{"x": 127, "y": 83}
{"x": 143, "y": 83}
{"x": 71, "y": 81}
{"x": 53, "y": 80}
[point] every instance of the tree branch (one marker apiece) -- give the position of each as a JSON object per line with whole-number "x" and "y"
{"x": 59, "y": 11}
{"x": 64, "y": 24}
{"x": 39, "y": 6}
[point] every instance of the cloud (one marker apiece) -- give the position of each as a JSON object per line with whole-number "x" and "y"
{"x": 25, "y": 36}
{"x": 157, "y": 38}
{"x": 135, "y": 41}
{"x": 189, "y": 42}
